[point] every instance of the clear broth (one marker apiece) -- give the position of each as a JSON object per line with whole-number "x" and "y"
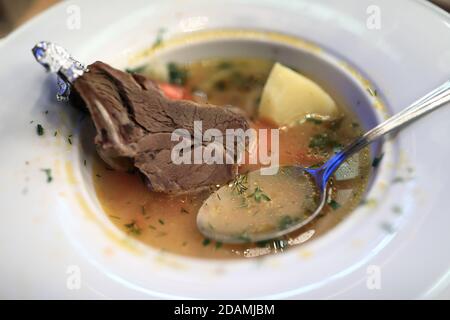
{"x": 169, "y": 222}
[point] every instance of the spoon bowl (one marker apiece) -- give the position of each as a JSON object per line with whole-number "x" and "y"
{"x": 252, "y": 208}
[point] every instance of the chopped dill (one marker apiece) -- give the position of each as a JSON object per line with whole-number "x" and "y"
{"x": 372, "y": 92}
{"x": 139, "y": 69}
{"x": 397, "y": 209}
{"x": 133, "y": 228}
{"x": 285, "y": 222}
{"x": 48, "y": 172}
{"x": 239, "y": 184}
{"x": 259, "y": 195}
{"x": 377, "y": 160}
{"x": 334, "y": 204}
{"x": 40, "y": 130}
{"x": 159, "y": 37}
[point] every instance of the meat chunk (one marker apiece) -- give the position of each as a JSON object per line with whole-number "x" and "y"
{"x": 135, "y": 121}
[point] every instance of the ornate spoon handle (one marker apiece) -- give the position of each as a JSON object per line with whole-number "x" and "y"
{"x": 424, "y": 105}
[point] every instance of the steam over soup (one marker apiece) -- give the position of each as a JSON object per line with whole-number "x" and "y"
{"x": 309, "y": 133}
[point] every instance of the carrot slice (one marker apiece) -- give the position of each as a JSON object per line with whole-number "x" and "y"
{"x": 175, "y": 92}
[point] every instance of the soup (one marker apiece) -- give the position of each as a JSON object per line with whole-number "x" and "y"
{"x": 168, "y": 222}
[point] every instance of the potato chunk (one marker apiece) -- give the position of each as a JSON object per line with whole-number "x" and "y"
{"x": 289, "y": 97}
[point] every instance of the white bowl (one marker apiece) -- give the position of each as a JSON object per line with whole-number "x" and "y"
{"x": 55, "y": 232}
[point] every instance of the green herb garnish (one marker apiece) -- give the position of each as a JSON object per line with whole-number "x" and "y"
{"x": 322, "y": 141}
{"x": 206, "y": 242}
{"x": 177, "y": 75}
{"x": 159, "y": 37}
{"x": 224, "y": 65}
{"x": 397, "y": 209}
{"x": 398, "y": 180}
{"x": 239, "y": 184}
{"x": 386, "y": 226}
{"x": 218, "y": 244}
{"x": 285, "y": 222}
{"x": 161, "y": 221}
{"x": 39, "y": 130}
{"x": 144, "y": 213}
{"x": 133, "y": 228}
{"x": 183, "y": 210}
{"x": 372, "y": 92}
{"x": 48, "y": 172}
{"x": 334, "y": 204}
{"x": 139, "y": 69}
{"x": 377, "y": 160}
{"x": 259, "y": 195}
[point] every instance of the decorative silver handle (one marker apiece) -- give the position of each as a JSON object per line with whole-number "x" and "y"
{"x": 56, "y": 59}
{"x": 424, "y": 105}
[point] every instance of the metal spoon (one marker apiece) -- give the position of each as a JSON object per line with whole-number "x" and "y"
{"x": 258, "y": 218}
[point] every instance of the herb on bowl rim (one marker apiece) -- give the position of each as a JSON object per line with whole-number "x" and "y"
{"x": 285, "y": 222}
{"x": 48, "y": 173}
{"x": 377, "y": 160}
{"x": 322, "y": 141}
{"x": 372, "y": 92}
{"x": 139, "y": 69}
{"x": 159, "y": 38}
{"x": 40, "y": 130}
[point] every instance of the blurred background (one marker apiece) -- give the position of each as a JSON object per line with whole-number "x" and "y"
{"x": 13, "y": 13}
